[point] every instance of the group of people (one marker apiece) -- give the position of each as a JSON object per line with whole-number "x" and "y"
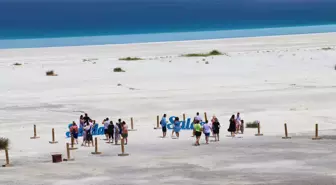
{"x": 236, "y": 125}
{"x": 111, "y": 131}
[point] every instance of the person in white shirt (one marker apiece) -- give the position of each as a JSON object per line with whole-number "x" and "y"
{"x": 106, "y": 124}
{"x": 238, "y": 122}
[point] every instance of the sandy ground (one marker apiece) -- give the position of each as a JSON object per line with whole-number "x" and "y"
{"x": 272, "y": 79}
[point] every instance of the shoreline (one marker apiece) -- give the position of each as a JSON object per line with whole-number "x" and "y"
{"x": 163, "y": 37}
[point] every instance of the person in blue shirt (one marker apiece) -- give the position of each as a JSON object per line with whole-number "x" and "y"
{"x": 163, "y": 124}
{"x": 177, "y": 127}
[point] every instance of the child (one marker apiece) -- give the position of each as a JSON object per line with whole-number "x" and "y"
{"x": 242, "y": 127}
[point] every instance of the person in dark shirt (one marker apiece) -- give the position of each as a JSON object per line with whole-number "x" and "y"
{"x": 110, "y": 131}
{"x": 215, "y": 128}
{"x": 232, "y": 127}
{"x": 120, "y": 126}
{"x": 86, "y": 118}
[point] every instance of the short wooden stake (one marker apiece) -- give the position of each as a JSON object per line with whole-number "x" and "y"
{"x": 132, "y": 125}
{"x": 157, "y": 122}
{"x": 96, "y": 147}
{"x": 123, "y": 149}
{"x": 73, "y": 143}
{"x": 205, "y": 116}
{"x": 184, "y": 117}
{"x": 286, "y": 133}
{"x": 259, "y": 134}
{"x": 35, "y": 136}
{"x": 53, "y": 137}
{"x": 316, "y": 133}
{"x": 68, "y": 153}
{"x": 7, "y": 159}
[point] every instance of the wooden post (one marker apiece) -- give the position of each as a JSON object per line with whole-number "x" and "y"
{"x": 68, "y": 153}
{"x": 7, "y": 159}
{"x": 73, "y": 143}
{"x": 286, "y": 133}
{"x": 259, "y": 134}
{"x": 184, "y": 117}
{"x": 132, "y": 125}
{"x": 123, "y": 149}
{"x": 35, "y": 135}
{"x": 205, "y": 116}
{"x": 157, "y": 122}
{"x": 316, "y": 133}
{"x": 96, "y": 147}
{"x": 53, "y": 137}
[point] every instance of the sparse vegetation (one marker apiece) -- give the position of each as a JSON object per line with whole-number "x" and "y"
{"x": 17, "y": 64}
{"x": 211, "y": 53}
{"x": 118, "y": 69}
{"x": 206, "y": 62}
{"x": 130, "y": 58}
{"x": 253, "y": 124}
{"x": 327, "y": 48}
{"x": 4, "y": 143}
{"x": 51, "y": 73}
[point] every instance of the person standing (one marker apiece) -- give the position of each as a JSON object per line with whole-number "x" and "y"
{"x": 120, "y": 126}
{"x": 232, "y": 127}
{"x": 238, "y": 122}
{"x": 197, "y": 118}
{"x": 116, "y": 133}
{"x": 198, "y": 132}
{"x": 177, "y": 126}
{"x": 125, "y": 132}
{"x": 106, "y": 124}
{"x": 206, "y": 130}
{"x": 216, "y": 127}
{"x": 163, "y": 124}
{"x": 74, "y": 131}
{"x": 88, "y": 130}
{"x": 110, "y": 132}
{"x": 86, "y": 118}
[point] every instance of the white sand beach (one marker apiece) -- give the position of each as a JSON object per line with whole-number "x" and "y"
{"x": 277, "y": 80}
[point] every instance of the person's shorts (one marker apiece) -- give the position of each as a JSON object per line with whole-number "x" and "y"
{"x": 105, "y": 131}
{"x": 89, "y": 137}
{"x": 164, "y": 129}
{"x": 124, "y": 135}
{"x": 216, "y": 131}
{"x": 110, "y": 135}
{"x": 177, "y": 129}
{"x": 207, "y": 134}
{"x": 198, "y": 134}
{"x": 75, "y": 135}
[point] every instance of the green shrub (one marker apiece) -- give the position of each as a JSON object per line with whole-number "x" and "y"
{"x": 130, "y": 58}
{"x": 211, "y": 53}
{"x": 327, "y": 48}
{"x": 253, "y": 124}
{"x": 118, "y": 69}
